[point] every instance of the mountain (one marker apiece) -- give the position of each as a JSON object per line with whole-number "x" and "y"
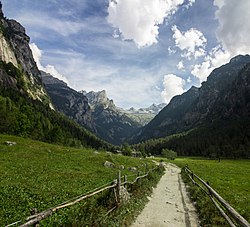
{"x": 18, "y": 69}
{"x": 68, "y": 101}
{"x": 92, "y": 110}
{"x": 143, "y": 115}
{"x": 202, "y": 105}
{"x": 25, "y": 107}
{"x": 111, "y": 123}
{"x": 212, "y": 119}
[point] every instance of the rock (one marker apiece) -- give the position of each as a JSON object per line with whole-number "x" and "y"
{"x": 124, "y": 195}
{"x": 109, "y": 164}
{"x": 9, "y": 143}
{"x": 68, "y": 101}
{"x": 132, "y": 169}
{"x": 121, "y": 167}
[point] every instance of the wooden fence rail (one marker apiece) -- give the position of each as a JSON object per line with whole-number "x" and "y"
{"x": 116, "y": 184}
{"x": 214, "y": 196}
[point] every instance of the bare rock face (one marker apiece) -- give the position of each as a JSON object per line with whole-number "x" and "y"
{"x": 20, "y": 44}
{"x": 18, "y": 70}
{"x": 112, "y": 124}
{"x": 68, "y": 101}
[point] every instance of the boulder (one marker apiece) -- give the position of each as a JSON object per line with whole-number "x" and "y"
{"x": 109, "y": 164}
{"x": 9, "y": 143}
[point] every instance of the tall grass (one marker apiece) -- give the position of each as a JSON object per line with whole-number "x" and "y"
{"x": 39, "y": 175}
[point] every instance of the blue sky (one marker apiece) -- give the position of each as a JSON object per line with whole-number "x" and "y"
{"x": 139, "y": 51}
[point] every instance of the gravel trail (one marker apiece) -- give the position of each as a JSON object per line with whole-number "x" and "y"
{"x": 169, "y": 204}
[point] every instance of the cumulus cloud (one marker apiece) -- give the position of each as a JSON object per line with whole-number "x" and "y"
{"x": 232, "y": 34}
{"x": 234, "y": 25}
{"x": 37, "y": 54}
{"x": 214, "y": 59}
{"x": 191, "y": 42}
{"x": 139, "y": 20}
{"x": 173, "y": 85}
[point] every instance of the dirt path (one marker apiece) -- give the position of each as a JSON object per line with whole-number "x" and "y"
{"x": 169, "y": 204}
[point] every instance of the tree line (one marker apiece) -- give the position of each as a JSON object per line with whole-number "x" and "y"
{"x": 20, "y": 115}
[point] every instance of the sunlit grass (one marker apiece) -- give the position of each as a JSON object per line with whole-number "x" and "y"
{"x": 230, "y": 178}
{"x": 39, "y": 175}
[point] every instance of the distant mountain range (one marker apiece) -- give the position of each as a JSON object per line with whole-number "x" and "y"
{"x": 212, "y": 119}
{"x": 95, "y": 111}
{"x": 144, "y": 115}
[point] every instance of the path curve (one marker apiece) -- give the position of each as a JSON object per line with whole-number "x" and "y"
{"x": 169, "y": 204}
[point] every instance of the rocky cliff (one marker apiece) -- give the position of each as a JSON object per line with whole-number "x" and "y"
{"x": 93, "y": 110}
{"x": 68, "y": 101}
{"x": 18, "y": 69}
{"x": 225, "y": 95}
{"x": 111, "y": 123}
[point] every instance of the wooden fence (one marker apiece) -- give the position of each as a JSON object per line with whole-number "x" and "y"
{"x": 218, "y": 201}
{"x": 115, "y": 185}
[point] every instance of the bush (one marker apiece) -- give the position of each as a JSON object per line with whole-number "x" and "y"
{"x": 169, "y": 154}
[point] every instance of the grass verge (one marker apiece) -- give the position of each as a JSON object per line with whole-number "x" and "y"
{"x": 230, "y": 178}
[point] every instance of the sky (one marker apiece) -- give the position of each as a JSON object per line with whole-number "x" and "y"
{"x": 140, "y": 51}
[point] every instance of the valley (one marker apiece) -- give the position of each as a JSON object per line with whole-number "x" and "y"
{"x": 57, "y": 142}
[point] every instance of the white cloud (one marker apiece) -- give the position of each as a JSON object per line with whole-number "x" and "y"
{"x": 180, "y": 66}
{"x": 37, "y": 54}
{"x": 234, "y": 26}
{"x": 219, "y": 3}
{"x": 139, "y": 20}
{"x": 214, "y": 59}
{"x": 232, "y": 34}
{"x": 40, "y": 20}
{"x": 173, "y": 85}
{"x": 191, "y": 42}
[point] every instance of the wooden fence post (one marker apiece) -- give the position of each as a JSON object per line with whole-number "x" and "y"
{"x": 33, "y": 212}
{"x": 118, "y": 187}
{"x": 125, "y": 180}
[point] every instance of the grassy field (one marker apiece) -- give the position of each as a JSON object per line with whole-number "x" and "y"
{"x": 39, "y": 175}
{"x": 230, "y": 178}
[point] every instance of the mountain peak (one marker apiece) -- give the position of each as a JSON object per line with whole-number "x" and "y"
{"x": 239, "y": 58}
{"x": 49, "y": 79}
{"x": 99, "y": 98}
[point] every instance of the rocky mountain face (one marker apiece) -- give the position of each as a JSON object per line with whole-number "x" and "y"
{"x": 93, "y": 110}
{"x": 111, "y": 123}
{"x": 225, "y": 95}
{"x": 18, "y": 69}
{"x": 68, "y": 101}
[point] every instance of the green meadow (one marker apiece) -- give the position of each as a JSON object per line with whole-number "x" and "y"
{"x": 38, "y": 175}
{"x": 230, "y": 178}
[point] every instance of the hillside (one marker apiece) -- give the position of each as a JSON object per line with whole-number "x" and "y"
{"x": 68, "y": 101}
{"x": 93, "y": 110}
{"x": 202, "y": 105}
{"x": 215, "y": 117}
{"x": 18, "y": 69}
{"x": 111, "y": 123}
{"x": 45, "y": 175}
{"x": 25, "y": 107}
